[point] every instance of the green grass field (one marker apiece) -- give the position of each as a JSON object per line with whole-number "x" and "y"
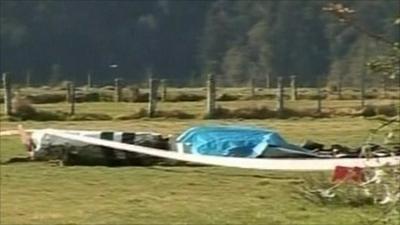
{"x": 42, "y": 193}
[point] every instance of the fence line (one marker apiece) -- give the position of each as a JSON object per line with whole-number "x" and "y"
{"x": 211, "y": 89}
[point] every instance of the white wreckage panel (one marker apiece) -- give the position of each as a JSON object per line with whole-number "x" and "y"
{"x": 48, "y": 146}
{"x": 249, "y": 163}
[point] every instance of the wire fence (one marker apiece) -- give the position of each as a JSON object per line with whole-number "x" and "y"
{"x": 211, "y": 96}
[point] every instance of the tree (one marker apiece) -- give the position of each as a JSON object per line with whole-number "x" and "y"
{"x": 387, "y": 64}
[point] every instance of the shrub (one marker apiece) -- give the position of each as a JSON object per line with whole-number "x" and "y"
{"x": 166, "y": 114}
{"x": 366, "y": 111}
{"x": 228, "y": 97}
{"x": 309, "y": 96}
{"x": 243, "y": 113}
{"x": 46, "y": 98}
{"x": 253, "y": 113}
{"x": 387, "y": 110}
{"x": 88, "y": 97}
{"x": 49, "y": 116}
{"x": 263, "y": 113}
{"x": 220, "y": 113}
{"x": 349, "y": 96}
{"x": 265, "y": 96}
{"x": 174, "y": 114}
{"x": 142, "y": 97}
{"x": 184, "y": 97}
{"x": 22, "y": 108}
{"x": 370, "y": 96}
{"x": 89, "y": 116}
{"x": 369, "y": 110}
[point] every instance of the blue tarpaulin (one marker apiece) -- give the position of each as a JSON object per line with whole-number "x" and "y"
{"x": 237, "y": 141}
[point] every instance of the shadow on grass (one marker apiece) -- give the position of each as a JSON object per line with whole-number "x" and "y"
{"x": 222, "y": 174}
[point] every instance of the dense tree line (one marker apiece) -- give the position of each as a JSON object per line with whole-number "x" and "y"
{"x": 184, "y": 40}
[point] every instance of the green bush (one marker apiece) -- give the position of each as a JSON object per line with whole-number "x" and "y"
{"x": 49, "y": 116}
{"x": 264, "y": 96}
{"x": 88, "y": 97}
{"x": 228, "y": 97}
{"x": 387, "y": 110}
{"x": 309, "y": 96}
{"x": 220, "y": 113}
{"x": 46, "y": 98}
{"x": 263, "y": 113}
{"x": 142, "y": 113}
{"x": 174, "y": 114}
{"x": 370, "y": 110}
{"x": 184, "y": 97}
{"x": 142, "y": 97}
{"x": 22, "y": 108}
{"x": 253, "y": 113}
{"x": 89, "y": 116}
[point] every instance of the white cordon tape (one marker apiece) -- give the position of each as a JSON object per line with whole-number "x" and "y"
{"x": 11, "y": 132}
{"x": 247, "y": 163}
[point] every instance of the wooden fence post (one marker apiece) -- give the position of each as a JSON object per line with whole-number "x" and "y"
{"x": 384, "y": 87}
{"x": 268, "y": 80}
{"x": 319, "y": 97}
{"x": 117, "y": 90}
{"x": 28, "y": 79}
{"x": 280, "y": 95}
{"x": 153, "y": 90}
{"x": 211, "y": 96}
{"x": 362, "y": 87}
{"x": 293, "y": 88}
{"x": 340, "y": 86}
{"x": 364, "y": 71}
{"x": 252, "y": 87}
{"x": 164, "y": 90}
{"x": 68, "y": 94}
{"x": 7, "y": 94}
{"x": 72, "y": 98}
{"x": 89, "y": 82}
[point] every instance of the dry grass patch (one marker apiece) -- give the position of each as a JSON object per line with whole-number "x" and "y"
{"x": 142, "y": 113}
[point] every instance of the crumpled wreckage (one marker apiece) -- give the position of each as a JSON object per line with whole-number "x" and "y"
{"x": 235, "y": 146}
